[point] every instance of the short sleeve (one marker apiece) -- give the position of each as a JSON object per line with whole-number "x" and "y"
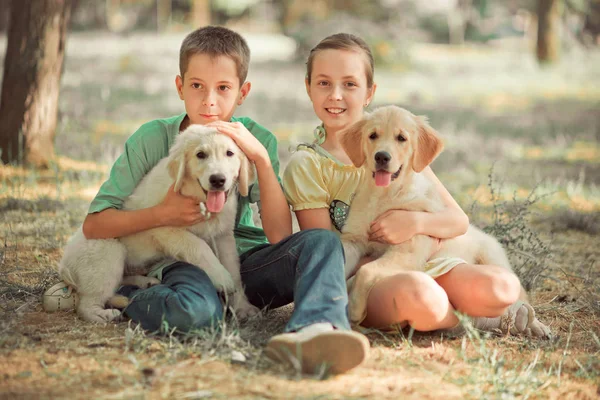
{"x": 303, "y": 182}
{"x": 126, "y": 173}
{"x": 143, "y": 150}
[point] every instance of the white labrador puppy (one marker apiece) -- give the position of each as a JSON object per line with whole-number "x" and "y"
{"x": 204, "y": 164}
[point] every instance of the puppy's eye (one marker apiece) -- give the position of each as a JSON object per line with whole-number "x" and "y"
{"x": 401, "y": 138}
{"x": 230, "y": 153}
{"x": 201, "y": 155}
{"x": 373, "y": 136}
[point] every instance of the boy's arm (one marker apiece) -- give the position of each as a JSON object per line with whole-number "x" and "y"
{"x": 397, "y": 226}
{"x": 174, "y": 210}
{"x": 275, "y": 211}
{"x": 106, "y": 218}
{"x": 276, "y": 216}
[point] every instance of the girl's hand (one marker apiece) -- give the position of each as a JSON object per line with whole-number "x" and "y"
{"x": 247, "y": 142}
{"x": 395, "y": 226}
{"x": 179, "y": 210}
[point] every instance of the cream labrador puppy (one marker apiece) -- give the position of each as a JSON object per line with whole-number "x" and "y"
{"x": 204, "y": 164}
{"x": 394, "y": 146}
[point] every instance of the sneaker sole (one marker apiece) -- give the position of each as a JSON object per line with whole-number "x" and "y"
{"x": 336, "y": 351}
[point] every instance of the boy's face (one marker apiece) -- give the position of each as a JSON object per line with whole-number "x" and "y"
{"x": 211, "y": 89}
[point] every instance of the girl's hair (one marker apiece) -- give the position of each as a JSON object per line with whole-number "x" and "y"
{"x": 343, "y": 41}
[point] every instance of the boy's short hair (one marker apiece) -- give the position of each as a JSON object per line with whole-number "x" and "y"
{"x": 216, "y": 41}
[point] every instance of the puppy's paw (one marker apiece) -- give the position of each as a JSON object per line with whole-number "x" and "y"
{"x": 247, "y": 311}
{"x": 140, "y": 281}
{"x": 242, "y": 307}
{"x": 101, "y": 316}
{"x": 152, "y": 282}
{"x": 221, "y": 279}
{"x": 118, "y": 301}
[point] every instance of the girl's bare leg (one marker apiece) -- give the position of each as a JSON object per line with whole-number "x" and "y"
{"x": 412, "y": 298}
{"x": 480, "y": 290}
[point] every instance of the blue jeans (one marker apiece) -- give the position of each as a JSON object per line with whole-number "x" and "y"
{"x": 185, "y": 299}
{"x": 306, "y": 268}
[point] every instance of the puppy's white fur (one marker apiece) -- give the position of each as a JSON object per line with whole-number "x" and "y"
{"x": 96, "y": 267}
{"x": 412, "y": 145}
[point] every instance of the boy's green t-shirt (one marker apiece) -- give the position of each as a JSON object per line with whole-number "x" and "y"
{"x": 148, "y": 145}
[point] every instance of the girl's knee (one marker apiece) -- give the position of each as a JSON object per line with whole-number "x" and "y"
{"x": 496, "y": 287}
{"x": 424, "y": 298}
{"x": 506, "y": 287}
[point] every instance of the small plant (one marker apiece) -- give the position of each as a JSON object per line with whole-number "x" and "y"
{"x": 493, "y": 375}
{"x": 529, "y": 254}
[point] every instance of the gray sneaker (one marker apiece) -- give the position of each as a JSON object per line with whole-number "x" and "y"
{"x": 60, "y": 297}
{"x": 319, "y": 348}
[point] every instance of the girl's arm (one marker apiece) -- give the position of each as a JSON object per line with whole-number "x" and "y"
{"x": 314, "y": 218}
{"x": 397, "y": 226}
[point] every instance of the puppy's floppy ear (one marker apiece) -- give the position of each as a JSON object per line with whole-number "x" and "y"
{"x": 247, "y": 175}
{"x": 351, "y": 140}
{"x": 176, "y": 165}
{"x": 428, "y": 145}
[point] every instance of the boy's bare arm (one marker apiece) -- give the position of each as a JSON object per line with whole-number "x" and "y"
{"x": 275, "y": 211}
{"x": 174, "y": 210}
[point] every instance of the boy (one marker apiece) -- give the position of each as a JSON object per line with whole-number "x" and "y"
{"x": 306, "y": 268}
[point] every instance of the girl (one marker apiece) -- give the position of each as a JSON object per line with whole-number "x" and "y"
{"x": 320, "y": 181}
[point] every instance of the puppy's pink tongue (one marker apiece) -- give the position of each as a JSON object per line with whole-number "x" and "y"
{"x": 215, "y": 201}
{"x": 382, "y": 178}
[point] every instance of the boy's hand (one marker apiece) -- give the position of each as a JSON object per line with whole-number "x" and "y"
{"x": 179, "y": 210}
{"x": 249, "y": 144}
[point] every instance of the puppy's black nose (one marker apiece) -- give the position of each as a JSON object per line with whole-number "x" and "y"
{"x": 382, "y": 158}
{"x": 217, "y": 181}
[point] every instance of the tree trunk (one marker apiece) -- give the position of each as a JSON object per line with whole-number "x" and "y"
{"x": 591, "y": 26}
{"x": 548, "y": 38}
{"x": 200, "y": 13}
{"x": 30, "y": 86}
{"x": 164, "y": 11}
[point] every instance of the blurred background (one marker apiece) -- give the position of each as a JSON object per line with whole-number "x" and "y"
{"x": 509, "y": 84}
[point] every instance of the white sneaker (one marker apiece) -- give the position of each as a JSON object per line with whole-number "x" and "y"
{"x": 60, "y": 297}
{"x": 317, "y": 347}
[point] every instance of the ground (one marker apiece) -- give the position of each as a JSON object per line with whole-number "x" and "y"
{"x": 533, "y": 130}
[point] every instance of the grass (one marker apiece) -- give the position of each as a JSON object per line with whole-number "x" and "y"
{"x": 543, "y": 202}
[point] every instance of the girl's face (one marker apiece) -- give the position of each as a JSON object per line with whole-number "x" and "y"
{"x": 338, "y": 87}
